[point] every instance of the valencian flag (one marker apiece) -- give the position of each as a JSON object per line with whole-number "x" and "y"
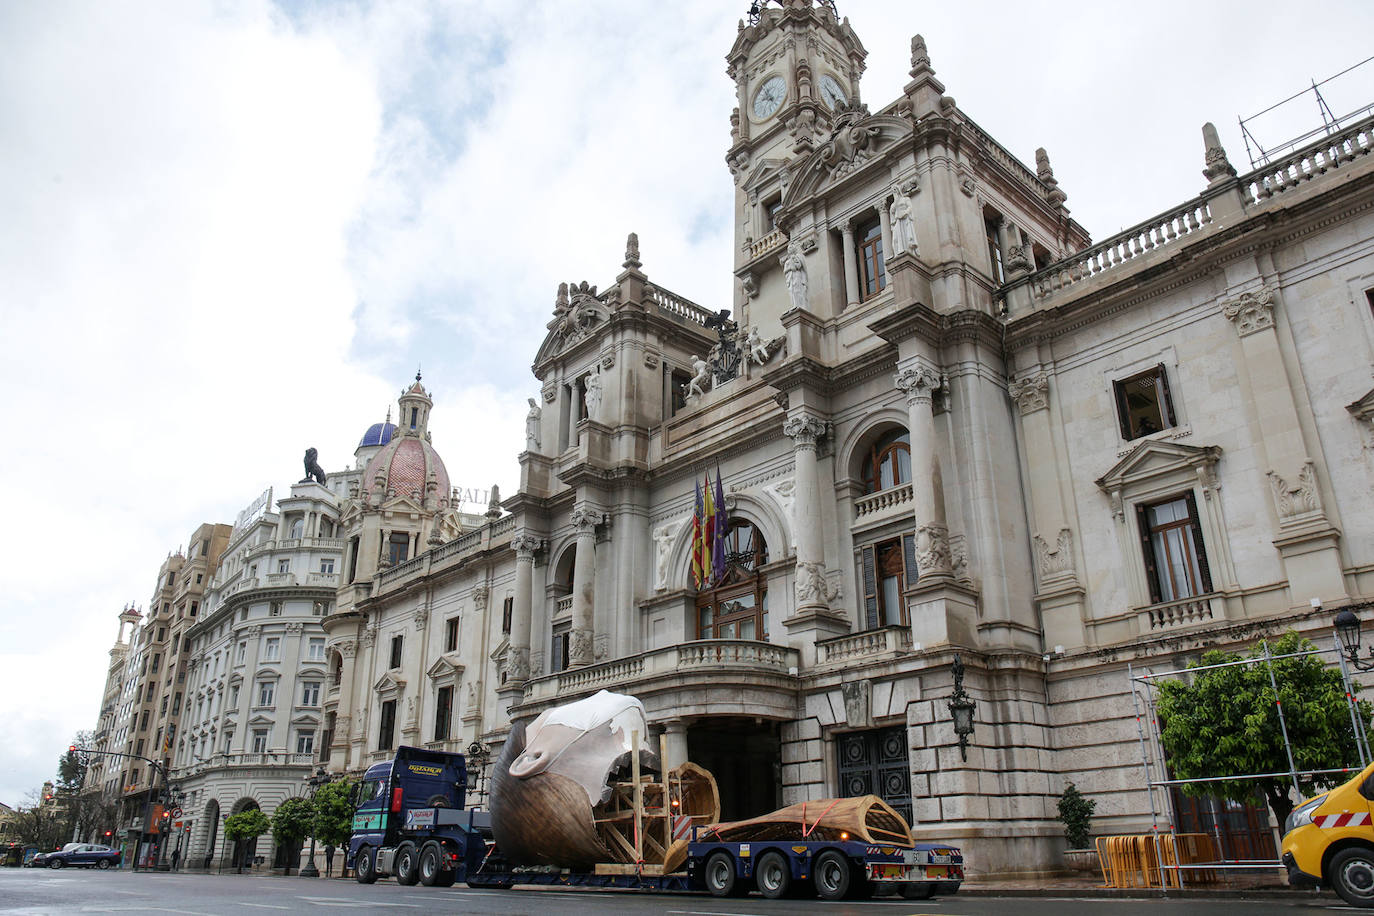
{"x": 721, "y": 529}
{"x": 698, "y": 567}
{"x": 708, "y": 534}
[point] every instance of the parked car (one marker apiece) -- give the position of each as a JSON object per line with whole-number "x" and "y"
{"x": 80, "y": 855}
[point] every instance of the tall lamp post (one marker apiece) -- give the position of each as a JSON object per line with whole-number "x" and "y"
{"x": 319, "y": 778}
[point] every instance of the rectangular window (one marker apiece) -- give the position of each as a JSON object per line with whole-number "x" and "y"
{"x": 305, "y": 741}
{"x": 195, "y": 606}
{"x": 315, "y": 650}
{"x": 267, "y": 692}
{"x": 872, "y": 270}
{"x": 271, "y": 650}
{"x": 386, "y": 729}
{"x": 283, "y": 566}
{"x": 886, "y": 570}
{"x": 259, "y": 741}
{"x": 994, "y": 249}
{"x": 1171, "y": 541}
{"x": 176, "y": 705}
{"x": 398, "y": 547}
{"x": 157, "y": 660}
{"x": 507, "y": 608}
{"x": 396, "y": 643}
{"x": 443, "y": 713}
{"x": 1143, "y": 405}
{"x": 138, "y": 748}
{"x": 451, "y": 635}
{"x": 327, "y": 566}
{"x": 274, "y": 609}
{"x": 243, "y": 614}
{"x": 242, "y": 654}
{"x": 310, "y": 693}
{"x": 678, "y": 380}
{"x": 162, "y": 711}
{"x": 143, "y": 722}
{"x": 558, "y": 660}
{"x": 234, "y": 697}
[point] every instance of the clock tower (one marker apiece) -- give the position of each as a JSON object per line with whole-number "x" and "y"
{"x": 796, "y": 66}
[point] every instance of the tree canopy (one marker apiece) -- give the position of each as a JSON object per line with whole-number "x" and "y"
{"x": 246, "y": 824}
{"x": 1224, "y": 722}
{"x": 334, "y": 813}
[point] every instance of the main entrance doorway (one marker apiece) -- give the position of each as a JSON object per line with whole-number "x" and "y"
{"x": 875, "y": 762}
{"x": 745, "y": 757}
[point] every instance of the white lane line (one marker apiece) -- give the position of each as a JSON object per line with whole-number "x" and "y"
{"x": 707, "y": 913}
{"x": 352, "y": 904}
{"x": 266, "y": 906}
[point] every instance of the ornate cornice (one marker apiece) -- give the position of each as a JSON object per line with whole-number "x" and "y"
{"x": 1030, "y": 392}
{"x": 920, "y": 381}
{"x": 1251, "y": 311}
{"x": 805, "y": 430}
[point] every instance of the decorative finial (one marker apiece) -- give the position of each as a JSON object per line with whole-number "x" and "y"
{"x": 417, "y": 372}
{"x": 632, "y": 252}
{"x": 1045, "y": 173}
{"x": 920, "y": 58}
{"x": 388, "y": 415}
{"x": 1218, "y": 168}
{"x": 494, "y": 505}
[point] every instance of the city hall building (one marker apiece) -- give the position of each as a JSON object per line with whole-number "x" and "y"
{"x": 946, "y": 422}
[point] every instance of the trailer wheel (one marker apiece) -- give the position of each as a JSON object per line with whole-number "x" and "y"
{"x": 1352, "y": 876}
{"x": 721, "y": 879}
{"x": 430, "y": 866}
{"x": 773, "y": 875}
{"x": 832, "y": 876}
{"x": 364, "y": 866}
{"x": 407, "y": 865}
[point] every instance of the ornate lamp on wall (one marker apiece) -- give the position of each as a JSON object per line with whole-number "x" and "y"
{"x": 1348, "y": 633}
{"x": 961, "y": 708}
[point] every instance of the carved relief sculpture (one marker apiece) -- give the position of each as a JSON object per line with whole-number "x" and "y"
{"x": 1251, "y": 311}
{"x": 1056, "y": 561}
{"x": 664, "y": 536}
{"x": 1030, "y": 392}
{"x": 812, "y": 587}
{"x": 580, "y": 651}
{"x": 1296, "y": 499}
{"x": 932, "y": 551}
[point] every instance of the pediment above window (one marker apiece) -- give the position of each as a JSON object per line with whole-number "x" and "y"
{"x": 389, "y": 684}
{"x": 445, "y": 667}
{"x": 1153, "y": 460}
{"x": 305, "y": 718}
{"x": 763, "y": 172}
{"x": 499, "y": 652}
{"x": 312, "y": 671}
{"x": 260, "y": 719}
{"x": 267, "y": 674}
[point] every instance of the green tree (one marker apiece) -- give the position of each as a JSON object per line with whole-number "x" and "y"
{"x": 39, "y": 823}
{"x": 334, "y": 813}
{"x": 1076, "y": 812}
{"x": 291, "y": 824}
{"x": 71, "y": 766}
{"x": 1223, "y": 722}
{"x": 246, "y": 825}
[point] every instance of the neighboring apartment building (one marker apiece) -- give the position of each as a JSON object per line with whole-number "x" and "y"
{"x": 946, "y": 422}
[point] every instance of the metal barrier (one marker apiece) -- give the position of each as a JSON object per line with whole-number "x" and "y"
{"x": 1155, "y": 860}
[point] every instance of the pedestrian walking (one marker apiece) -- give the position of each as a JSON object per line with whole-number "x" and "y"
{"x": 176, "y": 858}
{"x": 328, "y": 860}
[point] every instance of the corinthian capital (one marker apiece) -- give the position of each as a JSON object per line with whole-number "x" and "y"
{"x": 919, "y": 381}
{"x": 1251, "y": 311}
{"x": 585, "y": 519}
{"x": 524, "y": 545}
{"x": 1030, "y": 392}
{"x": 804, "y": 429}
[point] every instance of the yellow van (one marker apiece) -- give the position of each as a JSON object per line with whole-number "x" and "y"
{"x": 1329, "y": 840}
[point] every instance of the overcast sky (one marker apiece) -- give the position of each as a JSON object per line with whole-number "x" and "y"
{"x": 231, "y": 229}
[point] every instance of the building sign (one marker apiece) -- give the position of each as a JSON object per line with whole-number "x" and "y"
{"x": 255, "y": 509}
{"x": 476, "y": 496}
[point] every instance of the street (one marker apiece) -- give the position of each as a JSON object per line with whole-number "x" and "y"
{"x": 41, "y": 891}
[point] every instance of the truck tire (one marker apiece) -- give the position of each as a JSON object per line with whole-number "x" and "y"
{"x": 773, "y": 875}
{"x": 407, "y": 865}
{"x": 432, "y": 871}
{"x": 364, "y": 866}
{"x": 1352, "y": 876}
{"x": 720, "y": 876}
{"x": 832, "y": 875}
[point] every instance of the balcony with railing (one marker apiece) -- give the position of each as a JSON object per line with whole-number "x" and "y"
{"x": 715, "y": 675}
{"x": 878, "y": 506}
{"x": 885, "y": 642}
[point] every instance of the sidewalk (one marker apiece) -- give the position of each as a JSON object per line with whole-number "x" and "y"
{"x": 1253, "y": 887}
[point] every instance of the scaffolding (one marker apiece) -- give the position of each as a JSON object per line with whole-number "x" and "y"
{"x": 1331, "y": 122}
{"x": 1172, "y": 858}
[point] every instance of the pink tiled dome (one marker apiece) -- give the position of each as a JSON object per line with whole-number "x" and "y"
{"x": 406, "y": 462}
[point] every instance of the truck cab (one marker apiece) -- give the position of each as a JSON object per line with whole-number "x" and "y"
{"x": 1329, "y": 840}
{"x": 409, "y": 819}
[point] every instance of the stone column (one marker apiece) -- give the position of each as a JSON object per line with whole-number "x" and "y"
{"x": 343, "y": 713}
{"x": 885, "y": 223}
{"x": 851, "y": 267}
{"x": 518, "y": 668}
{"x": 580, "y": 652}
{"x": 805, "y": 430}
{"x": 920, "y": 381}
{"x": 675, "y": 730}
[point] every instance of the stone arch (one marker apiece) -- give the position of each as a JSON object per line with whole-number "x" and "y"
{"x": 243, "y": 852}
{"x": 854, "y": 447}
{"x": 210, "y": 835}
{"x": 767, "y": 518}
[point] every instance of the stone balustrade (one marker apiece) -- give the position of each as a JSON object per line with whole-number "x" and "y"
{"x": 244, "y": 759}
{"x": 1331, "y": 152}
{"x": 401, "y": 570}
{"x": 563, "y": 606}
{"x": 1181, "y": 613}
{"x": 330, "y": 580}
{"x": 715, "y": 657}
{"x": 1122, "y": 248}
{"x": 882, "y": 500}
{"x": 674, "y": 304}
{"x": 281, "y": 579}
{"x": 893, "y": 640}
{"x": 1000, "y": 155}
{"x": 775, "y": 239}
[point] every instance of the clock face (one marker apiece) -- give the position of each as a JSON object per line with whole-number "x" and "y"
{"x": 769, "y": 97}
{"x": 831, "y": 91}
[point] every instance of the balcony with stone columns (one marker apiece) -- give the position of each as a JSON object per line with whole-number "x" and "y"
{"x": 729, "y": 677}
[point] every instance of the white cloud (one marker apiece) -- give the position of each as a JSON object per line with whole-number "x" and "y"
{"x": 231, "y": 232}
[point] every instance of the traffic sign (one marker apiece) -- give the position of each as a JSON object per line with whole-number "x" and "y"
{"x": 176, "y": 813}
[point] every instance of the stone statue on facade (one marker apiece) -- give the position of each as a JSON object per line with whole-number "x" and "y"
{"x": 701, "y": 375}
{"x": 758, "y": 347}
{"x": 794, "y": 271}
{"x": 532, "y": 426}
{"x": 725, "y": 356}
{"x": 313, "y": 471}
{"x": 903, "y": 227}
{"x": 592, "y": 395}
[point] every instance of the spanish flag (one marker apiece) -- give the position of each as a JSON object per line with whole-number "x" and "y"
{"x": 698, "y": 568}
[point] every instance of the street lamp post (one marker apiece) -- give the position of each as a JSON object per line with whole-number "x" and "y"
{"x": 961, "y": 708}
{"x": 319, "y": 778}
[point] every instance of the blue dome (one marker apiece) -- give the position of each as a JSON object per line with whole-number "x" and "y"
{"x": 377, "y": 434}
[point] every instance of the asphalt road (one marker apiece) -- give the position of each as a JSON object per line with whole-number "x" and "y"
{"x": 41, "y": 891}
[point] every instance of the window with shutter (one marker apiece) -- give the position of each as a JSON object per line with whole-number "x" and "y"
{"x": 1171, "y": 542}
{"x": 885, "y": 569}
{"x": 1144, "y": 404}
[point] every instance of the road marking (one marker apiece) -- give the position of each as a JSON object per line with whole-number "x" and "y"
{"x": 351, "y": 904}
{"x": 708, "y": 913}
{"x": 266, "y": 906}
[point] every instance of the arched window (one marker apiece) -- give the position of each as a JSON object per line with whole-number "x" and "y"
{"x": 888, "y": 462}
{"x": 737, "y": 608}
